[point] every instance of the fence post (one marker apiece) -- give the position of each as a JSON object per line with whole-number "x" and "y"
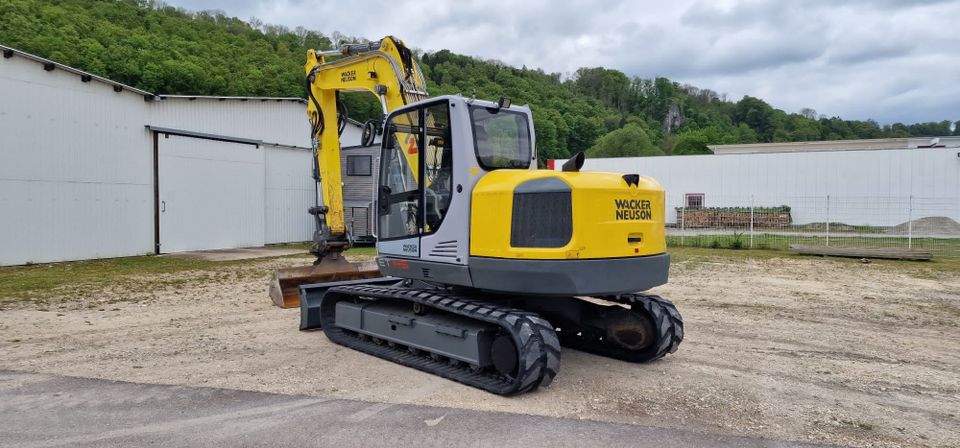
{"x": 683, "y": 218}
{"x": 751, "y": 221}
{"x": 910, "y": 223}
{"x": 828, "y": 220}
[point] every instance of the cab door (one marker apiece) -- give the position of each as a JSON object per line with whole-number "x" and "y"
{"x": 415, "y": 186}
{"x": 399, "y": 220}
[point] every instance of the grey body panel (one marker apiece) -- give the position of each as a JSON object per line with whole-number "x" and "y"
{"x": 539, "y": 277}
{"x": 570, "y": 277}
{"x": 450, "y": 242}
{"x": 447, "y": 273}
{"x": 409, "y": 247}
{"x": 311, "y": 296}
{"x": 455, "y": 337}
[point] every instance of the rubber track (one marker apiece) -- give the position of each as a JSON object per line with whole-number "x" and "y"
{"x": 536, "y": 341}
{"x": 667, "y": 322}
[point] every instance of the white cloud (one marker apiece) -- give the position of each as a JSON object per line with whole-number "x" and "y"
{"x": 890, "y": 60}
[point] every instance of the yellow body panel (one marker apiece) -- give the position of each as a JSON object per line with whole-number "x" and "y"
{"x": 607, "y": 214}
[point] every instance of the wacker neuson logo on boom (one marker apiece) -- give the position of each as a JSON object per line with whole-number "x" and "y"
{"x": 633, "y": 209}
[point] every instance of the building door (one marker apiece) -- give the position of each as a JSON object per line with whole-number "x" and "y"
{"x": 211, "y": 194}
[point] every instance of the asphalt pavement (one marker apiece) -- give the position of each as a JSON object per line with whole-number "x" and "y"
{"x": 39, "y": 410}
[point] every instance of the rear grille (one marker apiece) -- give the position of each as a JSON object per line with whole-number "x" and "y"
{"x": 542, "y": 214}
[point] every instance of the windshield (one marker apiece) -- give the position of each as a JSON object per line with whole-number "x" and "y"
{"x": 501, "y": 137}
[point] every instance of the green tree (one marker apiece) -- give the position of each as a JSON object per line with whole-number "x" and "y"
{"x": 758, "y": 115}
{"x": 693, "y": 142}
{"x": 745, "y": 134}
{"x": 629, "y": 141}
{"x": 584, "y": 132}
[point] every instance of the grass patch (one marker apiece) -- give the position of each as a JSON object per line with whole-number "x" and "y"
{"x": 362, "y": 250}
{"x": 304, "y": 245}
{"x": 370, "y": 250}
{"x": 39, "y": 281}
{"x": 678, "y": 254}
{"x": 736, "y": 240}
{"x": 25, "y": 282}
{"x": 940, "y": 247}
{"x": 936, "y": 269}
{"x": 44, "y": 280}
{"x": 946, "y": 258}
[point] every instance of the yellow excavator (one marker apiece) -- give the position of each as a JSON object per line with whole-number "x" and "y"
{"x": 486, "y": 265}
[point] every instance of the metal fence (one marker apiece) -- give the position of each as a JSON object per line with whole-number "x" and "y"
{"x": 776, "y": 222}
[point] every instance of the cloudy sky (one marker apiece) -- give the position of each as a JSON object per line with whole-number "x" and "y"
{"x": 890, "y": 60}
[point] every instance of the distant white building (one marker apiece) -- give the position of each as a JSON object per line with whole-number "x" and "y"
{"x": 91, "y": 168}
{"x": 880, "y": 182}
{"x": 839, "y": 145}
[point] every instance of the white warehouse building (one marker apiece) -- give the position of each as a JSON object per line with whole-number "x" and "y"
{"x": 91, "y": 168}
{"x": 880, "y": 183}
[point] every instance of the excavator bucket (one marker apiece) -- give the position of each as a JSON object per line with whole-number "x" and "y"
{"x": 284, "y": 287}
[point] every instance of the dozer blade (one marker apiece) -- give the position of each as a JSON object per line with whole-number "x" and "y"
{"x": 284, "y": 287}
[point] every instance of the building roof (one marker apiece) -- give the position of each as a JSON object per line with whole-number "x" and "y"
{"x": 839, "y": 145}
{"x": 48, "y": 65}
{"x": 232, "y": 98}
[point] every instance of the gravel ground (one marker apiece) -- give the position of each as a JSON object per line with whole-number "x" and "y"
{"x": 808, "y": 350}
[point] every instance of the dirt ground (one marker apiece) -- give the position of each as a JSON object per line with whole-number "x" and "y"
{"x": 789, "y": 348}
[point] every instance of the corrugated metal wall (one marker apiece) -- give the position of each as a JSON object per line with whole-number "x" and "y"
{"x": 272, "y": 121}
{"x": 286, "y": 184}
{"x": 290, "y": 192}
{"x": 867, "y": 180}
{"x": 76, "y": 168}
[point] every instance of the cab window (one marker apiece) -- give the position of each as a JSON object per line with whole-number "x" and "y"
{"x": 438, "y": 165}
{"x": 501, "y": 138}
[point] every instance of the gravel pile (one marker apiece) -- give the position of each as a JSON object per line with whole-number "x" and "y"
{"x": 931, "y": 225}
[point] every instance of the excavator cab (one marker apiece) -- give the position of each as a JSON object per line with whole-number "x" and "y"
{"x": 473, "y": 211}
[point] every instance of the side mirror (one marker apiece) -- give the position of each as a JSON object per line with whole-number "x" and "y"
{"x": 368, "y": 134}
{"x": 383, "y": 200}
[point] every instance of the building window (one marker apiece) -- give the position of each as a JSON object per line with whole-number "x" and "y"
{"x": 359, "y": 165}
{"x": 694, "y": 200}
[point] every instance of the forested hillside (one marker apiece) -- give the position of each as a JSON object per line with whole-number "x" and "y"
{"x": 168, "y": 50}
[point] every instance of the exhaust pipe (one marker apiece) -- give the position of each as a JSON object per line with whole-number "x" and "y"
{"x": 574, "y": 164}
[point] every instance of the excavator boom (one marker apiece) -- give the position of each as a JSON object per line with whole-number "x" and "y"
{"x": 384, "y": 68}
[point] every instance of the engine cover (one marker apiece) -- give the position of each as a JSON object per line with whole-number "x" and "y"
{"x": 550, "y": 215}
